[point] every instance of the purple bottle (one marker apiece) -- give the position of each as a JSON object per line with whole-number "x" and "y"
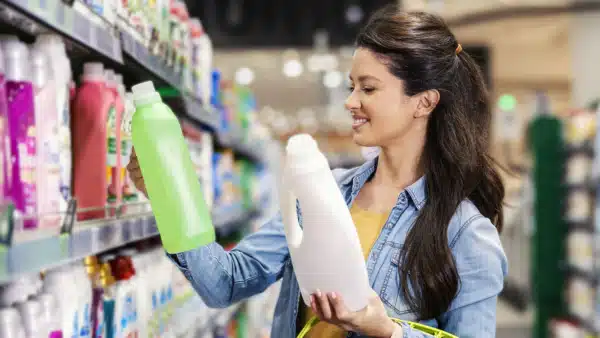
{"x": 21, "y": 126}
{"x": 4, "y": 140}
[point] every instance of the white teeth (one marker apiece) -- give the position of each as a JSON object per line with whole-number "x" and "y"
{"x": 358, "y": 121}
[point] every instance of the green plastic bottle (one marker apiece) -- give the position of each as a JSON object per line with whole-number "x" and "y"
{"x": 182, "y": 216}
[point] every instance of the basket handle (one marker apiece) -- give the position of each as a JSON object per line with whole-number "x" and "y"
{"x": 436, "y": 333}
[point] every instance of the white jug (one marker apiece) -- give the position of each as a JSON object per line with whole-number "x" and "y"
{"x": 325, "y": 252}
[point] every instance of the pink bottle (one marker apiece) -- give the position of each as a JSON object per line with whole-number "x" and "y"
{"x": 113, "y": 172}
{"x": 90, "y": 111}
{"x": 21, "y": 125}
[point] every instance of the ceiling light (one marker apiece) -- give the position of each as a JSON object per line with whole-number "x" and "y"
{"x": 244, "y": 76}
{"x": 332, "y": 79}
{"x": 292, "y": 68}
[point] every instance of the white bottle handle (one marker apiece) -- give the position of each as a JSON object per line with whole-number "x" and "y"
{"x": 289, "y": 214}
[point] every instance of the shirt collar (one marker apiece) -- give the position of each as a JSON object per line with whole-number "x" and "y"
{"x": 416, "y": 191}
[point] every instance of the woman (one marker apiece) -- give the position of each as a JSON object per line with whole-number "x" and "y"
{"x": 428, "y": 210}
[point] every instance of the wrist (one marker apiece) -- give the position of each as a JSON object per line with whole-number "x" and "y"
{"x": 389, "y": 329}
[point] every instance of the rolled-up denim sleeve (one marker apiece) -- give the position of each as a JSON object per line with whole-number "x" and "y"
{"x": 222, "y": 278}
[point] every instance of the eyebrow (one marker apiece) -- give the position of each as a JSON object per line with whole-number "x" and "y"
{"x": 364, "y": 78}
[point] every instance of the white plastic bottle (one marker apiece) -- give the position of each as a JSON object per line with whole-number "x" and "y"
{"x": 61, "y": 283}
{"x": 202, "y": 56}
{"x": 47, "y": 159}
{"x": 31, "y": 311}
{"x": 62, "y": 75}
{"x": 49, "y": 315}
{"x": 320, "y": 263}
{"x": 10, "y": 323}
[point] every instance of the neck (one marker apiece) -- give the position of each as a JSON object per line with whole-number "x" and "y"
{"x": 400, "y": 164}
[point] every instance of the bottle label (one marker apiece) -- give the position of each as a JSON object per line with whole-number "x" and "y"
{"x": 64, "y": 137}
{"x": 111, "y": 156}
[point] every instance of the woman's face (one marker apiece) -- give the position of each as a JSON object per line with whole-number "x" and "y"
{"x": 382, "y": 113}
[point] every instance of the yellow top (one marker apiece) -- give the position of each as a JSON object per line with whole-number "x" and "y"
{"x": 368, "y": 225}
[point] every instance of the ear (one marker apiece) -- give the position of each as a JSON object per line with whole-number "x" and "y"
{"x": 428, "y": 100}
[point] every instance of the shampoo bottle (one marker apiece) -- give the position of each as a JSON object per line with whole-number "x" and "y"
{"x": 47, "y": 159}
{"x": 4, "y": 138}
{"x": 21, "y": 120}
{"x": 62, "y": 76}
{"x": 182, "y": 217}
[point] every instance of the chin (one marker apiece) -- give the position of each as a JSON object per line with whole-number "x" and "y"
{"x": 364, "y": 140}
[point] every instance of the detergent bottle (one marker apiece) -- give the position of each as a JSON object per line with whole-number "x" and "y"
{"x": 182, "y": 216}
{"x": 326, "y": 252}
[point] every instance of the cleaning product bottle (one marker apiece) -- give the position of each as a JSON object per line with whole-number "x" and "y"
{"x": 61, "y": 71}
{"x": 4, "y": 138}
{"x": 31, "y": 312}
{"x": 108, "y": 305}
{"x": 91, "y": 108}
{"x": 174, "y": 190}
{"x": 47, "y": 159}
{"x": 21, "y": 119}
{"x": 320, "y": 264}
{"x": 60, "y": 283}
{"x": 97, "y": 307}
{"x": 130, "y": 194}
{"x": 113, "y": 132}
{"x": 49, "y": 315}
{"x": 204, "y": 53}
{"x": 10, "y": 323}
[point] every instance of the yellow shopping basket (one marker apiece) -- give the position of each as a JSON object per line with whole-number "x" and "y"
{"x": 420, "y": 327}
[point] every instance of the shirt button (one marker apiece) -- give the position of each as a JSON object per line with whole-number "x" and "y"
{"x": 349, "y": 334}
{"x": 402, "y": 198}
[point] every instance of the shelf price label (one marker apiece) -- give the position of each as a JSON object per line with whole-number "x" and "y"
{"x": 81, "y": 27}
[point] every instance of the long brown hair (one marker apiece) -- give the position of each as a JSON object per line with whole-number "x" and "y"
{"x": 420, "y": 49}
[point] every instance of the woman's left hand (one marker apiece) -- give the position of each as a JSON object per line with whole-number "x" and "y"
{"x": 372, "y": 321}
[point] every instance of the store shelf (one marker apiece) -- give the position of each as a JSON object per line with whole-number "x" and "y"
{"x": 87, "y": 238}
{"x": 582, "y": 273}
{"x": 228, "y": 220}
{"x": 151, "y": 63}
{"x": 198, "y": 113}
{"x": 56, "y": 15}
{"x": 93, "y": 237}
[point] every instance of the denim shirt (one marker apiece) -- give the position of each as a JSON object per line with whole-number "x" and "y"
{"x": 262, "y": 258}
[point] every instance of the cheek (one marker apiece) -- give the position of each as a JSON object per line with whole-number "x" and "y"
{"x": 389, "y": 118}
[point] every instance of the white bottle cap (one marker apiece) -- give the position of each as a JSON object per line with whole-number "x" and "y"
{"x": 10, "y": 323}
{"x": 142, "y": 92}
{"x": 93, "y": 71}
{"x": 16, "y": 57}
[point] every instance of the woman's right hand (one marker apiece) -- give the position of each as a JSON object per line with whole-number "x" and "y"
{"x": 135, "y": 173}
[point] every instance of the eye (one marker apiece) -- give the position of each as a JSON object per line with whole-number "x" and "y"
{"x": 350, "y": 89}
{"x": 368, "y": 90}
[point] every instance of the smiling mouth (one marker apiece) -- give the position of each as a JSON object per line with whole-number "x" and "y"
{"x": 358, "y": 122}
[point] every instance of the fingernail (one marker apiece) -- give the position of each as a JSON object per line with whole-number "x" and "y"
{"x": 318, "y": 293}
{"x": 333, "y": 295}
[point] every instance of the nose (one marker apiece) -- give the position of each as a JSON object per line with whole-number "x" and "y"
{"x": 352, "y": 102}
